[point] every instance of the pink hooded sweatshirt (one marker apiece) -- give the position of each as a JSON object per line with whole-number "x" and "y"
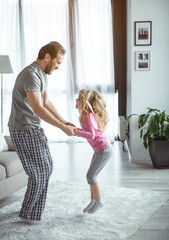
{"x": 94, "y": 135}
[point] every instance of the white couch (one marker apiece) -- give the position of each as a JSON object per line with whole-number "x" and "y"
{"x": 12, "y": 174}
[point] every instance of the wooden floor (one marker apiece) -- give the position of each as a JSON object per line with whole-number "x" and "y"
{"x": 72, "y": 161}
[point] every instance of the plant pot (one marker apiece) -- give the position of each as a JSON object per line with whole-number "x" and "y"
{"x": 160, "y": 154}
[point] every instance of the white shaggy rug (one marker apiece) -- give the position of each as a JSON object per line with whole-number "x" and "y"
{"x": 124, "y": 212}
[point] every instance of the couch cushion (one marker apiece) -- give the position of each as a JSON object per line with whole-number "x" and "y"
{"x": 2, "y": 172}
{"x": 11, "y": 163}
{"x": 3, "y": 144}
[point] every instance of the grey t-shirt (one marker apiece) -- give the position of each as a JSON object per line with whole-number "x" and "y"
{"x": 30, "y": 79}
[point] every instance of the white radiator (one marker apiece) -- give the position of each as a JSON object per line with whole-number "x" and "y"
{"x": 122, "y": 128}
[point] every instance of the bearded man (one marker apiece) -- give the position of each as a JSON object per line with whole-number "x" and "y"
{"x": 30, "y": 104}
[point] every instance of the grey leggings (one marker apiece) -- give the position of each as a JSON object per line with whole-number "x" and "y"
{"x": 98, "y": 162}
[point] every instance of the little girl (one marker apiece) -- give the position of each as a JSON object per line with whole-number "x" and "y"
{"x": 93, "y": 120}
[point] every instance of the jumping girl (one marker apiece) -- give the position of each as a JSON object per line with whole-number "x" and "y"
{"x": 93, "y": 119}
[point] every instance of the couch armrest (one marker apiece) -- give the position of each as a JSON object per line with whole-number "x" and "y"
{"x": 9, "y": 142}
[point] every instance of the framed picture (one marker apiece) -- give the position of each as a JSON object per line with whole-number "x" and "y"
{"x": 142, "y": 61}
{"x": 143, "y": 33}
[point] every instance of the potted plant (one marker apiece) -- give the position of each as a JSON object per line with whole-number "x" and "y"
{"x": 154, "y": 130}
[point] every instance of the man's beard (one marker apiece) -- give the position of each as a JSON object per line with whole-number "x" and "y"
{"x": 48, "y": 68}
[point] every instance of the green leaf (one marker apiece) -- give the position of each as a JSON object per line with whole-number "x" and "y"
{"x": 152, "y": 110}
{"x": 145, "y": 144}
{"x": 141, "y": 133}
{"x": 145, "y": 139}
{"x": 154, "y": 124}
{"x": 127, "y": 122}
{"x": 142, "y": 120}
{"x": 150, "y": 143}
{"x": 166, "y": 130}
{"x": 167, "y": 118}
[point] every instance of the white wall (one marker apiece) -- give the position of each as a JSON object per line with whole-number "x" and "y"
{"x": 147, "y": 88}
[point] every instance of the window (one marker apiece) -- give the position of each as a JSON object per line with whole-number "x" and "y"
{"x": 84, "y": 28}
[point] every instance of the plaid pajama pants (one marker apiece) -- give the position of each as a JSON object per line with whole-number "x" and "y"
{"x": 31, "y": 145}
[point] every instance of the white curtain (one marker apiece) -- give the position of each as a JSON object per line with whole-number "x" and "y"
{"x": 84, "y": 28}
{"x": 45, "y": 21}
{"x": 93, "y": 51}
{"x": 9, "y": 45}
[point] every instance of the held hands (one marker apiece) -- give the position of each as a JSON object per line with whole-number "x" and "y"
{"x": 75, "y": 131}
{"x": 70, "y": 129}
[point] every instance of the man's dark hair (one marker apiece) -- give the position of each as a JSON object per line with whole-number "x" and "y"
{"x": 53, "y": 48}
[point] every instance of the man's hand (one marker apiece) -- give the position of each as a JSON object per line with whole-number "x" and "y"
{"x": 69, "y": 130}
{"x": 75, "y": 131}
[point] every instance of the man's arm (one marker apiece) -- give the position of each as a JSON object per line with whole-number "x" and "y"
{"x": 41, "y": 111}
{"x": 51, "y": 108}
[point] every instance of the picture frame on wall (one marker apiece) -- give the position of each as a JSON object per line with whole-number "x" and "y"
{"x": 143, "y": 33}
{"x": 142, "y": 60}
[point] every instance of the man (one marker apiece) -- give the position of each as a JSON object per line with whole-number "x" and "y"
{"x": 30, "y": 104}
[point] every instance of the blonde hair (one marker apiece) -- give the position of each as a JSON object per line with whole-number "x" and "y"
{"x": 98, "y": 104}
